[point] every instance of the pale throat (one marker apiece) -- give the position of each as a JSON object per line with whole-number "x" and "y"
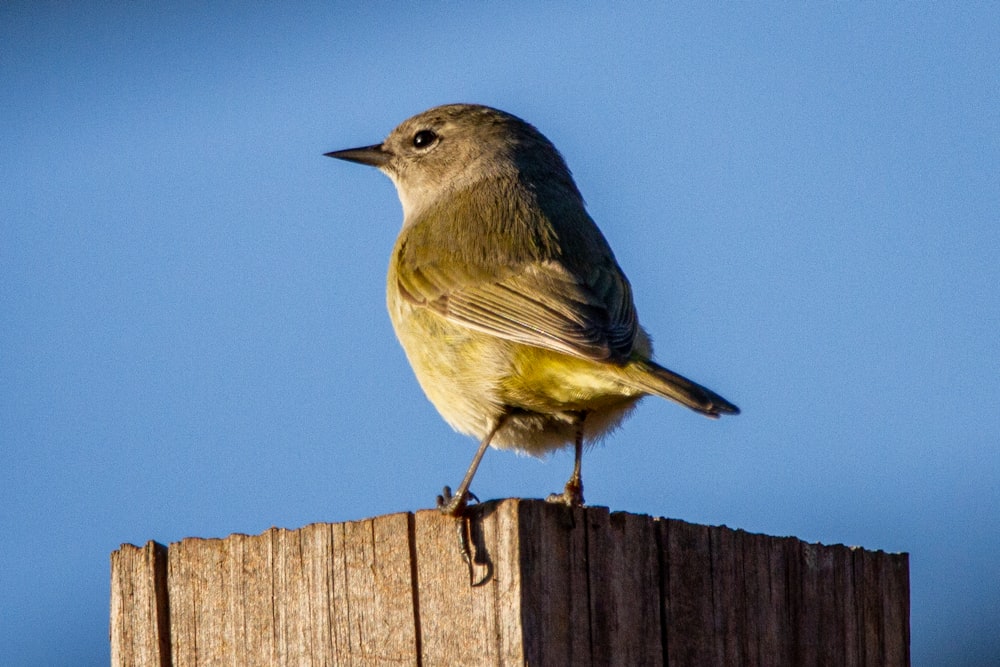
{"x": 415, "y": 198}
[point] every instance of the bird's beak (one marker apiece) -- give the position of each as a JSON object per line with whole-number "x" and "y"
{"x": 375, "y": 156}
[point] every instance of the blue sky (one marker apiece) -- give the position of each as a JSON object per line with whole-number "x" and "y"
{"x": 193, "y": 339}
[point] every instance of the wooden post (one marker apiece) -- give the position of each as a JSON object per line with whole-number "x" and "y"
{"x": 546, "y": 585}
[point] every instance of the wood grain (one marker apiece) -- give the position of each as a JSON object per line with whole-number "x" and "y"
{"x": 545, "y": 585}
{"x": 140, "y": 623}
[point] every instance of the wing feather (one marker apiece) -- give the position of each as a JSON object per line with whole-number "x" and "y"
{"x": 545, "y": 305}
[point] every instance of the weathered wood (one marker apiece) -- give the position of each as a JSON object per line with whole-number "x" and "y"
{"x": 623, "y": 585}
{"x": 140, "y": 623}
{"x": 325, "y": 594}
{"x": 458, "y": 620}
{"x": 555, "y": 586}
{"x": 546, "y": 585}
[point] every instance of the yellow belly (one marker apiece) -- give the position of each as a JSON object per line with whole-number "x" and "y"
{"x": 472, "y": 378}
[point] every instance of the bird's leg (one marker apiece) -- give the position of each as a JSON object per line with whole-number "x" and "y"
{"x": 454, "y": 505}
{"x": 572, "y": 495}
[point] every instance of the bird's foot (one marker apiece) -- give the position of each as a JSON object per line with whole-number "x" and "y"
{"x": 572, "y": 495}
{"x": 455, "y": 506}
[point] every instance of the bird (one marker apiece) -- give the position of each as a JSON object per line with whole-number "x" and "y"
{"x": 507, "y": 299}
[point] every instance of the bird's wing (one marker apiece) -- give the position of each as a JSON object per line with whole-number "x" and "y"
{"x": 587, "y": 313}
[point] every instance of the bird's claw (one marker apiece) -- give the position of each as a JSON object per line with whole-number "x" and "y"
{"x": 572, "y": 495}
{"x": 454, "y": 505}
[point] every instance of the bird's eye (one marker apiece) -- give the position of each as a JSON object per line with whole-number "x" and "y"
{"x": 424, "y": 138}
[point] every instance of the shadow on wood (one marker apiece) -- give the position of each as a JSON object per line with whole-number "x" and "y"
{"x": 556, "y": 586}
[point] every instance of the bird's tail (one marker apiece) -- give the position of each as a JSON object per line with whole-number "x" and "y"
{"x": 655, "y": 379}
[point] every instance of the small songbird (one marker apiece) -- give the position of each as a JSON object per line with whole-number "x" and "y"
{"x": 517, "y": 320}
